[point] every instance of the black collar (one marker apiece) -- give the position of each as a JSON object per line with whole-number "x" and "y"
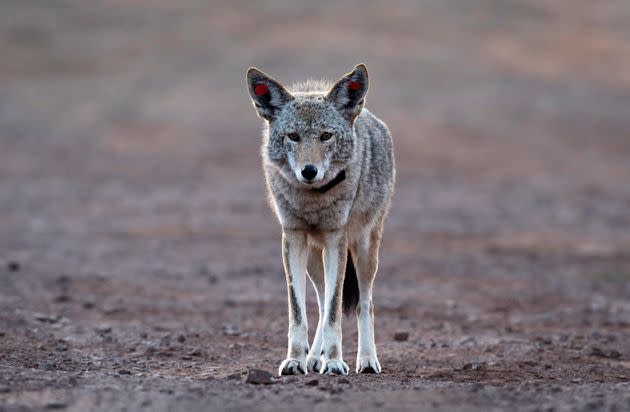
{"x": 341, "y": 176}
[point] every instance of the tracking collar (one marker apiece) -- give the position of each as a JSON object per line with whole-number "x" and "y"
{"x": 341, "y": 176}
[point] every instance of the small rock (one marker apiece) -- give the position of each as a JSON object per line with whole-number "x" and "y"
{"x": 401, "y": 336}
{"x": 48, "y": 366}
{"x": 124, "y": 372}
{"x": 181, "y": 338}
{"x": 111, "y": 310}
{"x": 88, "y": 305}
{"x": 196, "y": 352}
{"x": 230, "y": 330}
{"x": 42, "y": 317}
{"x": 103, "y": 329}
{"x": 614, "y": 354}
{"x": 56, "y": 405}
{"x": 312, "y": 382}
{"x": 291, "y": 379}
{"x": 597, "y": 351}
{"x": 233, "y": 377}
{"x": 332, "y": 389}
{"x": 259, "y": 377}
{"x": 62, "y": 299}
{"x": 344, "y": 381}
{"x": 476, "y": 387}
{"x": 186, "y": 357}
{"x": 13, "y": 266}
{"x": 230, "y": 303}
{"x": 4, "y": 389}
{"x": 474, "y": 366}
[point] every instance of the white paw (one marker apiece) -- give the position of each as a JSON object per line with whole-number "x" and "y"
{"x": 368, "y": 364}
{"x": 334, "y": 367}
{"x": 292, "y": 367}
{"x": 314, "y": 363}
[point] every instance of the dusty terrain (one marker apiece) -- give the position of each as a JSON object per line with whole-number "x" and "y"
{"x": 140, "y": 264}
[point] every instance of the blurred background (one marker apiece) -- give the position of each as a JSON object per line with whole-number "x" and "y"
{"x": 132, "y": 209}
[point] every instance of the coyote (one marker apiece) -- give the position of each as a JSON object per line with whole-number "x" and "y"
{"x": 329, "y": 169}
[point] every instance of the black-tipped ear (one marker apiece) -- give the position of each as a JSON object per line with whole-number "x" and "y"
{"x": 267, "y": 94}
{"x": 348, "y": 94}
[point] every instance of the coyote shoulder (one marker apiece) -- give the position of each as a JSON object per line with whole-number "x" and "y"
{"x": 329, "y": 169}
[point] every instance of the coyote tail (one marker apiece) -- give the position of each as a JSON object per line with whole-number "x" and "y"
{"x": 350, "y": 297}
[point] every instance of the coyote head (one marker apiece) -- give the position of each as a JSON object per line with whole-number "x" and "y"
{"x": 310, "y": 129}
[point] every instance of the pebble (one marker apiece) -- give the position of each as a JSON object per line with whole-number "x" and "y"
{"x": 230, "y": 330}
{"x": 478, "y": 366}
{"x": 56, "y": 405}
{"x": 312, "y": 382}
{"x": 42, "y": 317}
{"x": 13, "y": 266}
{"x": 195, "y": 352}
{"x": 4, "y": 389}
{"x": 124, "y": 372}
{"x": 259, "y": 377}
{"x": 597, "y": 351}
{"x": 62, "y": 298}
{"x": 103, "y": 329}
{"x": 401, "y": 336}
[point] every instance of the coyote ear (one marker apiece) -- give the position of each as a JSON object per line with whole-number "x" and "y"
{"x": 267, "y": 94}
{"x": 348, "y": 94}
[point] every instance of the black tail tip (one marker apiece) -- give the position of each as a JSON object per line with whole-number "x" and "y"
{"x": 350, "y": 298}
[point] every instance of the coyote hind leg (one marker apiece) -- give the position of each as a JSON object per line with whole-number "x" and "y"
{"x": 365, "y": 252}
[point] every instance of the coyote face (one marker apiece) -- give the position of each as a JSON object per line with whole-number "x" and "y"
{"x": 310, "y": 141}
{"x": 310, "y": 136}
{"x": 329, "y": 170}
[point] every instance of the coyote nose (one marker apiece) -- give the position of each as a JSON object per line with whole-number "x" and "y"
{"x": 309, "y": 172}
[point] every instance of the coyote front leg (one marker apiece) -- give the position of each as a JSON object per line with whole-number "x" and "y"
{"x": 315, "y": 270}
{"x": 294, "y": 255}
{"x": 335, "y": 255}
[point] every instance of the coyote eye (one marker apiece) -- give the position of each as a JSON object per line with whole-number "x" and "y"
{"x": 325, "y": 136}
{"x": 294, "y": 137}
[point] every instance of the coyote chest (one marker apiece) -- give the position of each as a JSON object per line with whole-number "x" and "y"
{"x": 310, "y": 209}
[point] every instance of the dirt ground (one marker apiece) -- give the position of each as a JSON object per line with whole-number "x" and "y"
{"x": 141, "y": 265}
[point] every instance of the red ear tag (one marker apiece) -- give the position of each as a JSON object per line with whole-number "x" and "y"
{"x": 261, "y": 89}
{"x": 354, "y": 86}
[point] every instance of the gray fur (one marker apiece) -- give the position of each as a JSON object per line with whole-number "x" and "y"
{"x": 361, "y": 145}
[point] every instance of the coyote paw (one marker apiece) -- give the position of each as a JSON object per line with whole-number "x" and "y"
{"x": 368, "y": 364}
{"x": 314, "y": 363}
{"x": 292, "y": 367}
{"x": 334, "y": 367}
